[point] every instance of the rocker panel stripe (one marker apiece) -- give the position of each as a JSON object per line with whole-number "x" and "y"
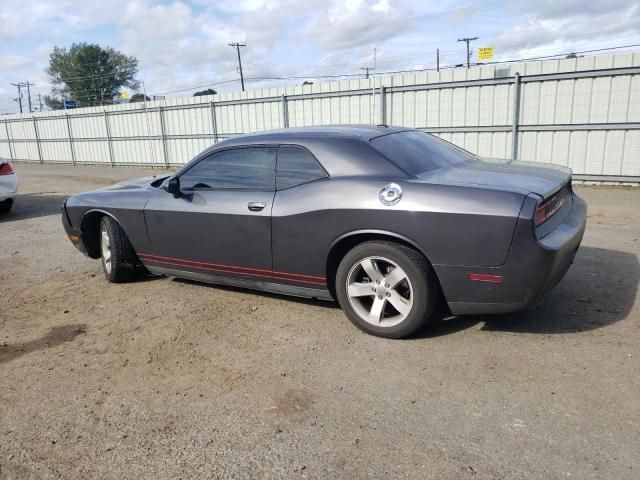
{"x": 234, "y": 267}
{"x": 229, "y": 270}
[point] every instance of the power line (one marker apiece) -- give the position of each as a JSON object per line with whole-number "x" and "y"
{"x": 199, "y": 86}
{"x": 390, "y": 72}
{"x": 353, "y": 75}
{"x": 237, "y": 46}
{"x": 554, "y": 56}
{"x": 20, "y": 86}
{"x": 97, "y": 75}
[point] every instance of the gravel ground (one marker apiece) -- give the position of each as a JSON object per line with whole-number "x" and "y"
{"x": 173, "y": 379}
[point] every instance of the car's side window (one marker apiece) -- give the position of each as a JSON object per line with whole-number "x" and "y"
{"x": 246, "y": 168}
{"x": 295, "y": 166}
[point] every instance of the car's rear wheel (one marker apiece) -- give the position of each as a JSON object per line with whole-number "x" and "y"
{"x": 386, "y": 288}
{"x": 5, "y": 206}
{"x": 118, "y": 257}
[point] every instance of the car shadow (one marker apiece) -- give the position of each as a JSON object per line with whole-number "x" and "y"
{"x": 56, "y": 336}
{"x": 34, "y": 205}
{"x": 599, "y": 290}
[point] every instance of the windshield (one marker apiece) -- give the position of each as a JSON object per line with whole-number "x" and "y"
{"x": 416, "y": 152}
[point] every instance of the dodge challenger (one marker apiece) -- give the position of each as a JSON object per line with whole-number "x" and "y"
{"x": 386, "y": 220}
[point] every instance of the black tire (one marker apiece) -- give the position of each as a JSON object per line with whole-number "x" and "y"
{"x": 420, "y": 274}
{"x": 5, "y": 207}
{"x": 123, "y": 258}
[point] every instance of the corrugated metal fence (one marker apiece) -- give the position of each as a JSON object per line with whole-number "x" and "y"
{"x": 583, "y": 113}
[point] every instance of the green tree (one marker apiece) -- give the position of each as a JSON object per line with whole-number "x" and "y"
{"x": 208, "y": 91}
{"x": 139, "y": 97}
{"x": 89, "y": 74}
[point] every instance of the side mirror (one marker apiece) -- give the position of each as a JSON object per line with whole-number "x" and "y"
{"x": 173, "y": 186}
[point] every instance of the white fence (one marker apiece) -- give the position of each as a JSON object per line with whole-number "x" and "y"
{"x": 583, "y": 113}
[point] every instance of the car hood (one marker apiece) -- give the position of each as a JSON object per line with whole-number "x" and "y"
{"x": 134, "y": 183}
{"x": 515, "y": 176}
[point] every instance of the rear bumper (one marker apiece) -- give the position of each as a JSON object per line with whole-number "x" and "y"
{"x": 533, "y": 267}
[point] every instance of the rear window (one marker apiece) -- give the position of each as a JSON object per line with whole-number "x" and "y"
{"x": 416, "y": 152}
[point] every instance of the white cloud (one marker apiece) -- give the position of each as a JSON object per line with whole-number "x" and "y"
{"x": 381, "y": 6}
{"x": 10, "y": 62}
{"x": 9, "y": 25}
{"x": 554, "y": 28}
{"x": 355, "y": 24}
{"x": 156, "y": 22}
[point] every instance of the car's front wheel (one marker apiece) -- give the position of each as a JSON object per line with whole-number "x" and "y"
{"x": 117, "y": 254}
{"x": 386, "y": 288}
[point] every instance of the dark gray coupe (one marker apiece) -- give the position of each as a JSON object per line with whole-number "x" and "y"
{"x": 386, "y": 220}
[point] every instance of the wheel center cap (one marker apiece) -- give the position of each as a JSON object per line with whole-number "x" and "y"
{"x": 381, "y": 290}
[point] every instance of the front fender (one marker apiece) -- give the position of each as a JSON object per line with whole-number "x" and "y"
{"x": 125, "y": 206}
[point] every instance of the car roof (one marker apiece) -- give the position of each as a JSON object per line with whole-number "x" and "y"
{"x": 365, "y": 132}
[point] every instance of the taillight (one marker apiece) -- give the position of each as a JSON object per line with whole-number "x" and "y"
{"x": 6, "y": 169}
{"x": 550, "y": 206}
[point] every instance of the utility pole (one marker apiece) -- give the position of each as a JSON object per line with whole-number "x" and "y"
{"x": 237, "y": 46}
{"x": 40, "y": 101}
{"x": 27, "y": 84}
{"x": 437, "y": 59}
{"x": 467, "y": 41}
{"x": 19, "y": 85}
{"x": 367, "y": 70}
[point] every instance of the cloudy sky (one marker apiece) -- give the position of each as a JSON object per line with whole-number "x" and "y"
{"x": 183, "y": 43}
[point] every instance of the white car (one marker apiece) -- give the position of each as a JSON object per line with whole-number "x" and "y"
{"x": 8, "y": 186}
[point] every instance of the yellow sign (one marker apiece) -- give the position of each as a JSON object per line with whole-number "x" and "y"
{"x": 485, "y": 53}
{"x": 124, "y": 95}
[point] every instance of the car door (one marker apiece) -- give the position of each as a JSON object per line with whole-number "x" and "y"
{"x": 301, "y": 213}
{"x": 219, "y": 223}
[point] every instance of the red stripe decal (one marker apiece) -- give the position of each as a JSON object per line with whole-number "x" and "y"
{"x": 237, "y": 273}
{"x": 150, "y": 257}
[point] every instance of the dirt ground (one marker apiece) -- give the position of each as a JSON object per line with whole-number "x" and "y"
{"x": 172, "y": 379}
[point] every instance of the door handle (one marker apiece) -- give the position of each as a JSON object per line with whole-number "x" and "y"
{"x": 256, "y": 206}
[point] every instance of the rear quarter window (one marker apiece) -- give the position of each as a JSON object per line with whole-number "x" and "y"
{"x": 296, "y": 165}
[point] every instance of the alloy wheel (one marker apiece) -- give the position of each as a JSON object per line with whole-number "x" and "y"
{"x": 105, "y": 248}
{"x": 379, "y": 291}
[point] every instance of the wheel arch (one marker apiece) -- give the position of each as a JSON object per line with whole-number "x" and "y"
{"x": 341, "y": 245}
{"x": 90, "y": 228}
